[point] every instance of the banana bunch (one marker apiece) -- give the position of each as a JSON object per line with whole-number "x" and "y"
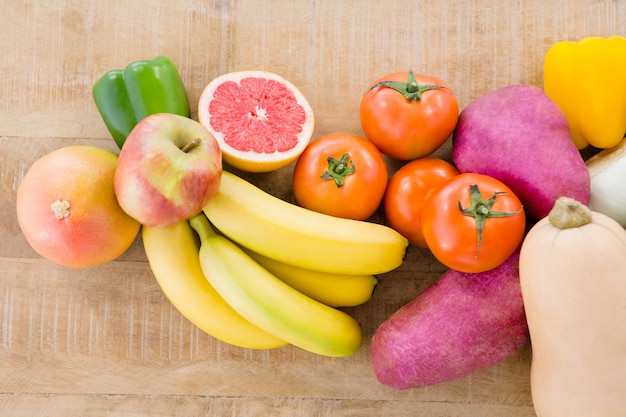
{"x": 270, "y": 303}
{"x": 297, "y": 236}
{"x": 173, "y": 257}
{"x": 281, "y": 289}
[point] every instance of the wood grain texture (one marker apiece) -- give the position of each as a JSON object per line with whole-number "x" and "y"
{"x": 105, "y": 341}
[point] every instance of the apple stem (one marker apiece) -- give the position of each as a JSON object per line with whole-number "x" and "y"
{"x": 189, "y": 146}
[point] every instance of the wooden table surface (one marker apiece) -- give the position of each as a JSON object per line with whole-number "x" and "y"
{"x": 105, "y": 341}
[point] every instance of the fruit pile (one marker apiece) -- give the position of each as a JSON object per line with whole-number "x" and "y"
{"x": 280, "y": 270}
{"x": 259, "y": 272}
{"x": 242, "y": 265}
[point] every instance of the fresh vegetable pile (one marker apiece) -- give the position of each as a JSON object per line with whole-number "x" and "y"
{"x": 259, "y": 272}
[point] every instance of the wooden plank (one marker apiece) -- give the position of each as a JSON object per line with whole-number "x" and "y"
{"x": 56, "y": 405}
{"x": 331, "y": 50}
{"x": 111, "y": 330}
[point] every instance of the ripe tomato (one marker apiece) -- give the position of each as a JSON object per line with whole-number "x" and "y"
{"x": 342, "y": 175}
{"x": 407, "y": 191}
{"x": 473, "y": 223}
{"x": 408, "y": 116}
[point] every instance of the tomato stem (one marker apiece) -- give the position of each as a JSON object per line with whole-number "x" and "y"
{"x": 410, "y": 89}
{"x": 480, "y": 210}
{"x": 338, "y": 169}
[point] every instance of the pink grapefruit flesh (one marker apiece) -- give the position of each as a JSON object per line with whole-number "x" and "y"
{"x": 261, "y": 121}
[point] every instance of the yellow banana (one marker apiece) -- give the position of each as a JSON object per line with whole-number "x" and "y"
{"x": 173, "y": 254}
{"x": 297, "y": 236}
{"x": 271, "y": 304}
{"x": 335, "y": 290}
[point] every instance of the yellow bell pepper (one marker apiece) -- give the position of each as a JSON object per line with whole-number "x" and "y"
{"x": 587, "y": 80}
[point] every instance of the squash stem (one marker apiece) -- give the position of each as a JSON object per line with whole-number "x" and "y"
{"x": 568, "y": 213}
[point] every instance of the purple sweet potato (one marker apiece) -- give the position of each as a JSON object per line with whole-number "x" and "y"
{"x": 459, "y": 325}
{"x": 518, "y": 135}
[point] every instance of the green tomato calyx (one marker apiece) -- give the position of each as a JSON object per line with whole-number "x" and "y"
{"x": 410, "y": 89}
{"x": 480, "y": 210}
{"x": 338, "y": 169}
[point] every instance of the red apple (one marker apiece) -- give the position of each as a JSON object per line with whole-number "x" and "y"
{"x": 168, "y": 170}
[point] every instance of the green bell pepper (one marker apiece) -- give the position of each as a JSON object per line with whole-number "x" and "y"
{"x": 124, "y": 97}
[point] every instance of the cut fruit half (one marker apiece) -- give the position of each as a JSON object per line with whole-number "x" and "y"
{"x": 261, "y": 121}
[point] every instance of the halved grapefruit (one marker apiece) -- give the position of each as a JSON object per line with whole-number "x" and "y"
{"x": 261, "y": 121}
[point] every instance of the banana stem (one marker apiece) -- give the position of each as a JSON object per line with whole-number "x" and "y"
{"x": 200, "y": 223}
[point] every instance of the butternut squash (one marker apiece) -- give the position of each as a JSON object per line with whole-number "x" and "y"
{"x": 573, "y": 280}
